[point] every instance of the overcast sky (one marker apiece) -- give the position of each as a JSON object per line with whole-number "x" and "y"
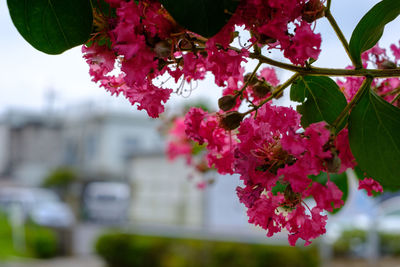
{"x": 27, "y": 74}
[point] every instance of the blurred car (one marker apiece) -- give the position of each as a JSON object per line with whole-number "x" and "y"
{"x": 40, "y": 205}
{"x": 107, "y": 202}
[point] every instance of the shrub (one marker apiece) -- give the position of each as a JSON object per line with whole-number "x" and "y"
{"x": 128, "y": 250}
{"x": 355, "y": 240}
{"x": 41, "y": 242}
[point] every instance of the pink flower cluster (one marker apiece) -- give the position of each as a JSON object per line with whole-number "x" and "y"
{"x": 275, "y": 158}
{"x": 135, "y": 37}
{"x": 388, "y": 88}
{"x": 179, "y": 145}
{"x": 271, "y": 152}
{"x": 144, "y": 43}
{"x": 282, "y": 24}
{"x": 136, "y": 51}
{"x": 370, "y": 185}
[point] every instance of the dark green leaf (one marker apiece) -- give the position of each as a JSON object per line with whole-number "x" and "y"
{"x": 340, "y": 181}
{"x": 359, "y": 173}
{"x": 320, "y": 97}
{"x": 52, "y": 26}
{"x": 204, "y": 17}
{"x": 374, "y": 136}
{"x": 370, "y": 28}
{"x": 279, "y": 187}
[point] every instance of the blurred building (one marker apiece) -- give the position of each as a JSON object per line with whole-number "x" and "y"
{"x": 96, "y": 144}
{"x": 163, "y": 193}
{"x": 99, "y": 144}
{"x": 117, "y": 147}
{"x": 31, "y": 145}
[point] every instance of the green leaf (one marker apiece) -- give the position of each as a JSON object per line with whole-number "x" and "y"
{"x": 52, "y": 26}
{"x": 279, "y": 187}
{"x": 340, "y": 181}
{"x": 197, "y": 149}
{"x": 370, "y": 28}
{"x": 204, "y": 17}
{"x": 320, "y": 97}
{"x": 374, "y": 136}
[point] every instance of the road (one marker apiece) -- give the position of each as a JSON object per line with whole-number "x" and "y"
{"x": 87, "y": 261}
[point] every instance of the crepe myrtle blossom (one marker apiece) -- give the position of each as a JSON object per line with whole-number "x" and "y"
{"x": 136, "y": 50}
{"x": 370, "y": 185}
{"x": 141, "y": 43}
{"x": 275, "y": 160}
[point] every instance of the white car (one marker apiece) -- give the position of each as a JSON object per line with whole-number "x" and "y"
{"x": 107, "y": 202}
{"x": 40, "y": 205}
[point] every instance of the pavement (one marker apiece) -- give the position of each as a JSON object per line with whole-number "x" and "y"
{"x": 86, "y": 261}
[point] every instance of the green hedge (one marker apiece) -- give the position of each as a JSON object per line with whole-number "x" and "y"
{"x": 389, "y": 243}
{"x": 41, "y": 242}
{"x": 127, "y": 250}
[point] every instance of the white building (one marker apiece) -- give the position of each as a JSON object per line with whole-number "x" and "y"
{"x": 30, "y": 145}
{"x": 116, "y": 146}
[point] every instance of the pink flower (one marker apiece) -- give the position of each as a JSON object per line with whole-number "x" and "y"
{"x": 249, "y": 194}
{"x": 347, "y": 159}
{"x": 224, "y": 64}
{"x": 327, "y": 197}
{"x": 305, "y": 44}
{"x": 149, "y": 98}
{"x": 395, "y": 51}
{"x": 100, "y": 59}
{"x": 193, "y": 66}
{"x": 350, "y": 85}
{"x": 179, "y": 144}
{"x": 263, "y": 213}
{"x": 306, "y": 227}
{"x": 269, "y": 75}
{"x": 201, "y": 185}
{"x": 370, "y": 185}
{"x": 193, "y": 120}
{"x": 222, "y": 161}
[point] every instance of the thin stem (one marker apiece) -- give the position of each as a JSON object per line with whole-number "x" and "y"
{"x": 250, "y": 78}
{"x": 352, "y": 103}
{"x": 340, "y": 35}
{"x": 328, "y": 6}
{"x": 376, "y": 73}
{"x": 275, "y": 93}
{"x": 393, "y": 92}
{"x": 282, "y": 87}
{"x": 396, "y": 98}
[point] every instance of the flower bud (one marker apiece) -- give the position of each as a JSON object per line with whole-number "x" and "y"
{"x": 230, "y": 120}
{"x": 312, "y": 11}
{"x": 185, "y": 44}
{"x": 253, "y": 81}
{"x": 292, "y": 199}
{"x": 261, "y": 89}
{"x": 162, "y": 49}
{"x": 333, "y": 164}
{"x": 227, "y": 102}
{"x": 387, "y": 64}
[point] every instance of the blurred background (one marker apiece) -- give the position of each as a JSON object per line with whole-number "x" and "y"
{"x": 84, "y": 180}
